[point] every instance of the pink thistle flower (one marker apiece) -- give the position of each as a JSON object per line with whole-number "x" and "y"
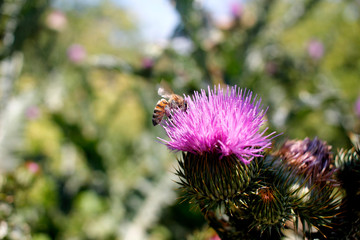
{"x": 76, "y": 53}
{"x": 222, "y": 122}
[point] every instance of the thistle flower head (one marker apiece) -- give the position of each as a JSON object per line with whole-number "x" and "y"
{"x": 222, "y": 122}
{"x": 310, "y": 157}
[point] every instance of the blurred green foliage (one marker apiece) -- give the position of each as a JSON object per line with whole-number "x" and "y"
{"x": 78, "y": 153}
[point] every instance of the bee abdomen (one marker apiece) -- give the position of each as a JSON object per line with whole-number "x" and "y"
{"x": 159, "y": 111}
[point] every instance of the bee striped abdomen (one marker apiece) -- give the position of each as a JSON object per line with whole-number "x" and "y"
{"x": 159, "y": 111}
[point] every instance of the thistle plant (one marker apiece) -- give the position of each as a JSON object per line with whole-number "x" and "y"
{"x": 245, "y": 189}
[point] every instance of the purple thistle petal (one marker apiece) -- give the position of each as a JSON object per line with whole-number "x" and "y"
{"x": 223, "y": 123}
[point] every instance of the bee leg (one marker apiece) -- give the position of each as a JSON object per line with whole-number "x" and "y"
{"x": 185, "y": 107}
{"x": 168, "y": 111}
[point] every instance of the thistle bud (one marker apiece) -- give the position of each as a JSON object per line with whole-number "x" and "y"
{"x": 267, "y": 207}
{"x": 309, "y": 158}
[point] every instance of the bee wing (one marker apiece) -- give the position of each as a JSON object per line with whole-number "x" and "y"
{"x": 164, "y": 93}
{"x": 165, "y": 90}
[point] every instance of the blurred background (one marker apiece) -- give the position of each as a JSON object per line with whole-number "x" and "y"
{"x": 79, "y": 157}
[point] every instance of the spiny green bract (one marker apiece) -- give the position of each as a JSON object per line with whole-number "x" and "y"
{"x": 211, "y": 181}
{"x": 257, "y": 200}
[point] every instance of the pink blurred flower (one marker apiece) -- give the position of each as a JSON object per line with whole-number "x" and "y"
{"x": 236, "y": 9}
{"x": 315, "y": 49}
{"x": 56, "y": 20}
{"x": 33, "y": 167}
{"x": 32, "y": 112}
{"x": 76, "y": 53}
{"x": 147, "y": 63}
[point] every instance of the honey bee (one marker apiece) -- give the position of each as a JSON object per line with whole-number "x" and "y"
{"x": 164, "y": 107}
